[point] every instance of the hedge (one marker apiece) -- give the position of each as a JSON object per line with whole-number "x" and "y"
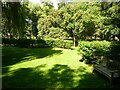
{"x": 115, "y": 51}
{"x": 24, "y": 43}
{"x": 59, "y": 43}
{"x": 39, "y": 43}
{"x": 92, "y": 51}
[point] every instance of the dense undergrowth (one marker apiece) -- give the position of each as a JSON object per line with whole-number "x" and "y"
{"x": 95, "y": 51}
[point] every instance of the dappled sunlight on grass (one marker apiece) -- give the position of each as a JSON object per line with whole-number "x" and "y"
{"x": 14, "y": 55}
{"x": 56, "y": 70}
{"x": 67, "y": 57}
{"x": 58, "y": 76}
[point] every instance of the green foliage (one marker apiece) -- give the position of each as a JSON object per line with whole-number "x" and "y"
{"x": 115, "y": 51}
{"x": 63, "y": 44}
{"x": 110, "y": 22}
{"x": 24, "y": 43}
{"x": 37, "y": 43}
{"x": 94, "y": 50}
{"x": 68, "y": 44}
{"x": 13, "y": 19}
{"x": 84, "y": 20}
{"x": 40, "y": 43}
{"x": 9, "y": 42}
{"x": 59, "y": 43}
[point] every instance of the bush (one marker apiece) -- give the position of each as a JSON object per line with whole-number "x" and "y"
{"x": 9, "y": 42}
{"x": 31, "y": 43}
{"x": 68, "y": 44}
{"x": 24, "y": 43}
{"x": 94, "y": 50}
{"x": 59, "y": 43}
{"x": 50, "y": 43}
{"x": 115, "y": 51}
{"x": 39, "y": 43}
{"x": 63, "y": 44}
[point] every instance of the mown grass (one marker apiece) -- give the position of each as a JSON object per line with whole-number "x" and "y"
{"x": 47, "y": 68}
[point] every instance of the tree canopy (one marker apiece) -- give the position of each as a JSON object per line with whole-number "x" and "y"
{"x": 81, "y": 20}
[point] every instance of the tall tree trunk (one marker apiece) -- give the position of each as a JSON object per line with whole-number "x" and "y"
{"x": 74, "y": 40}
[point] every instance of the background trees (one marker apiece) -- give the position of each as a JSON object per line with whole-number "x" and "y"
{"x": 13, "y": 19}
{"x": 72, "y": 20}
{"x": 111, "y": 22}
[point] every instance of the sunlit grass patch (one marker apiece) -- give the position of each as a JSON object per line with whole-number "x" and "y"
{"x": 47, "y": 68}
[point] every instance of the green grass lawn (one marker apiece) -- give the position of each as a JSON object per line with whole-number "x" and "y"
{"x": 47, "y": 68}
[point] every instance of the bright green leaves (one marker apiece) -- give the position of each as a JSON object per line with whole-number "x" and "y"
{"x": 76, "y": 20}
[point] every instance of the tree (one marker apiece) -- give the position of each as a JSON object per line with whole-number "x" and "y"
{"x": 110, "y": 27}
{"x": 13, "y": 20}
{"x": 77, "y": 20}
{"x": 33, "y": 17}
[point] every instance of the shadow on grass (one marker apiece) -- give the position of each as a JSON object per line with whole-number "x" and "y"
{"x": 92, "y": 81}
{"x": 59, "y": 76}
{"x": 13, "y": 55}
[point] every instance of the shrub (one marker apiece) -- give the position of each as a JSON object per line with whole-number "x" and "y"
{"x": 115, "y": 51}
{"x": 24, "y": 43}
{"x": 9, "y": 42}
{"x": 50, "y": 42}
{"x": 5, "y": 41}
{"x": 63, "y": 44}
{"x": 94, "y": 50}
{"x": 68, "y": 44}
{"x": 31, "y": 43}
{"x": 39, "y": 43}
{"x": 59, "y": 43}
